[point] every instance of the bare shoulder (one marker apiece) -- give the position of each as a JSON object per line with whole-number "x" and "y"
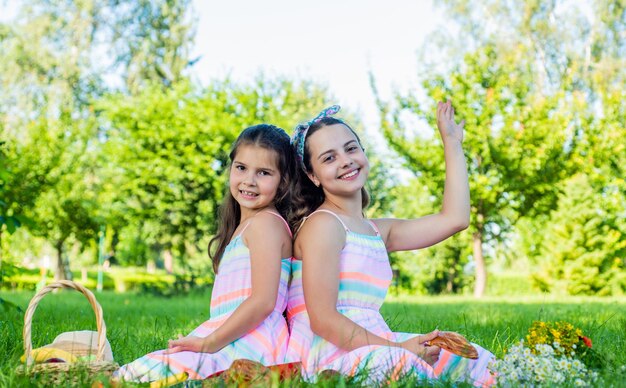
{"x": 321, "y": 223}
{"x": 265, "y": 224}
{"x": 322, "y": 229}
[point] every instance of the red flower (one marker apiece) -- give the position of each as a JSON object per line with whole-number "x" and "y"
{"x": 587, "y": 341}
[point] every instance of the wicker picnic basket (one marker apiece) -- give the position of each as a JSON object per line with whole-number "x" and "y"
{"x": 70, "y": 351}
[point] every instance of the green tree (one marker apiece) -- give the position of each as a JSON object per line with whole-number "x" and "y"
{"x": 585, "y": 245}
{"x": 380, "y": 185}
{"x": 514, "y": 142}
{"x": 54, "y": 54}
{"x": 528, "y": 78}
{"x": 66, "y": 207}
{"x": 154, "y": 41}
{"x": 48, "y": 74}
{"x": 437, "y": 269}
{"x": 167, "y": 153}
{"x": 8, "y": 220}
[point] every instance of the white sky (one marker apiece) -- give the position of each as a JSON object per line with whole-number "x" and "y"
{"x": 335, "y": 43}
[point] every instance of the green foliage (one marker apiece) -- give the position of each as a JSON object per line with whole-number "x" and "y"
{"x": 380, "y": 186}
{"x": 584, "y": 248}
{"x": 150, "y": 165}
{"x": 66, "y": 206}
{"x": 156, "y": 39}
{"x": 52, "y": 181}
{"x": 513, "y": 143}
{"x": 434, "y": 270}
{"x": 511, "y": 284}
{"x": 166, "y": 156}
{"x": 31, "y": 163}
{"x": 21, "y": 279}
{"x": 129, "y": 279}
{"x": 156, "y": 173}
{"x": 56, "y": 52}
{"x": 51, "y": 71}
{"x": 7, "y": 218}
{"x": 132, "y": 249}
{"x": 540, "y": 85}
{"x": 7, "y": 272}
{"x": 538, "y": 104}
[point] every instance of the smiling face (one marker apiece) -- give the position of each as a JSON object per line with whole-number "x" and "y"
{"x": 254, "y": 178}
{"x": 338, "y": 162}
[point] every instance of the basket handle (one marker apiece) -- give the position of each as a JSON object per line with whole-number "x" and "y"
{"x": 28, "y": 317}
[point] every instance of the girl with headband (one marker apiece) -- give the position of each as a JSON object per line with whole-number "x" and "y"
{"x": 341, "y": 271}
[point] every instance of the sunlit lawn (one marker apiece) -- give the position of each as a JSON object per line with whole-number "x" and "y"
{"x": 138, "y": 324}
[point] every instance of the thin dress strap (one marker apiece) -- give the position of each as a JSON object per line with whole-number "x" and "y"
{"x": 243, "y": 230}
{"x": 330, "y": 212}
{"x": 370, "y": 222}
{"x": 282, "y": 219}
{"x": 374, "y": 227}
{"x": 273, "y": 213}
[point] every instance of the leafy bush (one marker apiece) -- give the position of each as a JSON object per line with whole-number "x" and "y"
{"x": 120, "y": 280}
{"x": 584, "y": 250}
{"x": 508, "y": 283}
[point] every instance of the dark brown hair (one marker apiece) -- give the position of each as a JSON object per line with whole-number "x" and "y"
{"x": 306, "y": 197}
{"x": 271, "y": 138}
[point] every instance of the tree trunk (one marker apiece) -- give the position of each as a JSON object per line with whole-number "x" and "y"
{"x": 479, "y": 260}
{"x": 168, "y": 261}
{"x": 61, "y": 271}
{"x": 452, "y": 275}
{"x": 450, "y": 283}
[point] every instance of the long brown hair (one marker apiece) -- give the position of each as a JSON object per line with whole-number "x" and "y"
{"x": 271, "y": 138}
{"x": 307, "y": 197}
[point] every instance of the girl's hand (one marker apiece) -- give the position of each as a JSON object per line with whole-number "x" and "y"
{"x": 419, "y": 345}
{"x": 185, "y": 344}
{"x": 445, "y": 122}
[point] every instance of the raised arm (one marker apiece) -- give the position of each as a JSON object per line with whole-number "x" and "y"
{"x": 268, "y": 241}
{"x": 401, "y": 235}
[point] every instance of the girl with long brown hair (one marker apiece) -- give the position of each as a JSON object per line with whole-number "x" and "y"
{"x": 252, "y": 264}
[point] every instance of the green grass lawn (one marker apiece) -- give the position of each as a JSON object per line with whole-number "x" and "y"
{"x": 138, "y": 324}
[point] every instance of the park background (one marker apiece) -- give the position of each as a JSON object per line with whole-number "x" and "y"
{"x": 116, "y": 118}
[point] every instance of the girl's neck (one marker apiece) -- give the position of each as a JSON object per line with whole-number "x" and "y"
{"x": 351, "y": 207}
{"x": 246, "y": 214}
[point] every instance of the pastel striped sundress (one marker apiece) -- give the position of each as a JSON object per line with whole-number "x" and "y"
{"x": 365, "y": 276}
{"x": 267, "y": 343}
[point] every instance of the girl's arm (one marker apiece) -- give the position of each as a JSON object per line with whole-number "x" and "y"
{"x": 320, "y": 242}
{"x": 402, "y": 235}
{"x": 268, "y": 241}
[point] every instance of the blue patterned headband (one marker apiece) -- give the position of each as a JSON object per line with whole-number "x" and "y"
{"x": 302, "y": 129}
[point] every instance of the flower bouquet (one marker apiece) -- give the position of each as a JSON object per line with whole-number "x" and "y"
{"x": 554, "y": 353}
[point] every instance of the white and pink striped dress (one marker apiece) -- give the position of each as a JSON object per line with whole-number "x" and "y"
{"x": 266, "y": 344}
{"x": 365, "y": 276}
